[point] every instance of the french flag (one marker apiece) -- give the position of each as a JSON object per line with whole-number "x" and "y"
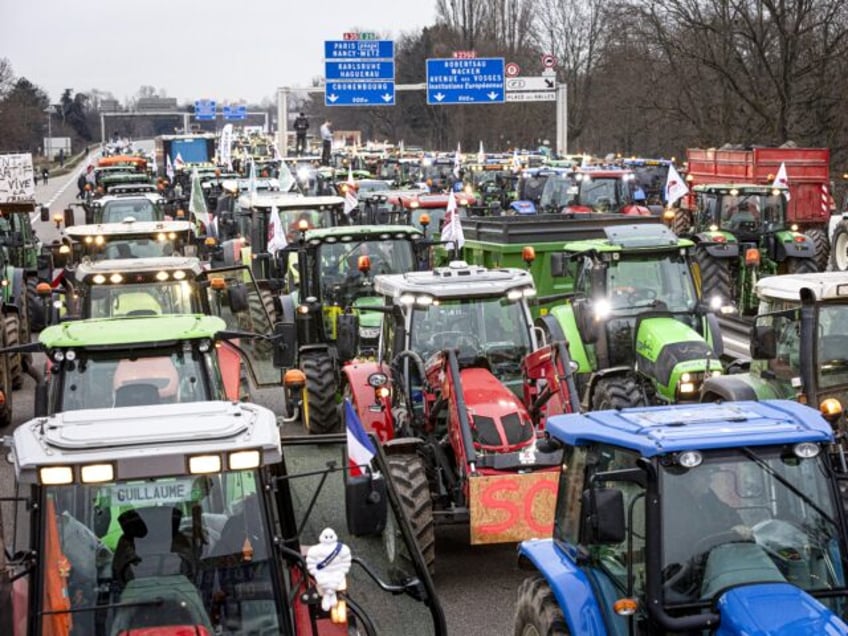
{"x": 360, "y": 450}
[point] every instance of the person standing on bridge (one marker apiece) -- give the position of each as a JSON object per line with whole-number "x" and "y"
{"x": 301, "y": 125}
{"x": 326, "y": 142}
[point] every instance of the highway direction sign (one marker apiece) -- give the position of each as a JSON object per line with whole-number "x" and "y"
{"x": 531, "y": 96}
{"x": 359, "y": 73}
{"x": 234, "y": 113}
{"x": 204, "y": 110}
{"x": 473, "y": 81}
{"x": 345, "y": 93}
{"x": 359, "y": 70}
{"x": 538, "y": 83}
{"x": 359, "y": 50}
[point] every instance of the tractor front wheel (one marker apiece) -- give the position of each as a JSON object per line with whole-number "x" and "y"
{"x": 839, "y": 248}
{"x": 12, "y": 325}
{"x": 537, "y": 612}
{"x": 321, "y": 415}
{"x": 801, "y": 265}
{"x": 617, "y": 393}
{"x": 714, "y": 275}
{"x": 410, "y": 480}
{"x": 682, "y": 221}
{"x": 819, "y": 238}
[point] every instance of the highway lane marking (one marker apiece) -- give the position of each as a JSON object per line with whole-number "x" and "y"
{"x": 36, "y": 216}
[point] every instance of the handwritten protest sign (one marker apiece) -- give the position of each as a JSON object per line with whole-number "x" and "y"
{"x": 16, "y": 178}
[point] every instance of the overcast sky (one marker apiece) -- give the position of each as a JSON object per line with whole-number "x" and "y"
{"x": 193, "y": 49}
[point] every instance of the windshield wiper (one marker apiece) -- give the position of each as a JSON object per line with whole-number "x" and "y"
{"x": 806, "y": 499}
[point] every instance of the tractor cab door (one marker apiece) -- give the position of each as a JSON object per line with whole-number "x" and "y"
{"x": 233, "y": 295}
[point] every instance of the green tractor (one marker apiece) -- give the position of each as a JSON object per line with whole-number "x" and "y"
{"x": 799, "y": 344}
{"x": 330, "y": 288}
{"x": 144, "y": 360}
{"x": 24, "y": 252}
{"x": 740, "y": 236}
{"x": 634, "y": 322}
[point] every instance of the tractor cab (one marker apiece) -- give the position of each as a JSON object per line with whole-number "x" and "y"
{"x": 678, "y": 519}
{"x": 604, "y": 190}
{"x": 117, "y": 208}
{"x": 194, "y": 518}
{"x": 798, "y": 344}
{"x": 745, "y": 212}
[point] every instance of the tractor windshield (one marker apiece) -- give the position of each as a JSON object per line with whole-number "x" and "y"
{"x": 832, "y": 346}
{"x": 292, "y": 218}
{"x": 747, "y": 212}
{"x": 138, "y": 247}
{"x": 178, "y": 554}
{"x": 657, "y": 280}
{"x": 138, "y": 209}
{"x": 602, "y": 194}
{"x": 494, "y": 328}
{"x": 558, "y": 192}
{"x": 745, "y": 516}
{"x": 147, "y": 299}
{"x": 341, "y": 266}
{"x": 110, "y": 379}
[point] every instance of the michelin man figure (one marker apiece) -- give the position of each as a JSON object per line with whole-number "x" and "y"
{"x": 328, "y": 562}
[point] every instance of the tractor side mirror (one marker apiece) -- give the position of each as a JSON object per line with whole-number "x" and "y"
{"x": 603, "y": 516}
{"x": 45, "y": 214}
{"x": 68, "y": 217}
{"x": 763, "y": 342}
{"x": 347, "y": 336}
{"x": 237, "y": 298}
{"x": 366, "y": 504}
{"x": 285, "y": 335}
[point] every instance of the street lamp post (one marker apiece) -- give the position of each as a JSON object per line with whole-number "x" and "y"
{"x": 48, "y": 146}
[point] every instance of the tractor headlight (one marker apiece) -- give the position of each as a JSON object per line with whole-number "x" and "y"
{"x": 602, "y": 309}
{"x": 97, "y": 473}
{"x": 55, "y": 475}
{"x": 204, "y": 464}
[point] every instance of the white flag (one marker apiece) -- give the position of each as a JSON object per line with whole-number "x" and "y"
{"x": 178, "y": 162}
{"x": 251, "y": 180}
{"x": 782, "y": 180}
{"x": 169, "y": 168}
{"x": 675, "y": 186}
{"x": 227, "y": 146}
{"x": 400, "y": 148}
{"x": 457, "y": 162}
{"x": 276, "y": 233}
{"x": 351, "y": 199}
{"x": 196, "y": 202}
{"x": 481, "y": 154}
{"x": 516, "y": 161}
{"x": 452, "y": 228}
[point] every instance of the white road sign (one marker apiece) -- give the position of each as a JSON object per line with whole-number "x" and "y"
{"x": 537, "y": 83}
{"x": 531, "y": 96}
{"x": 16, "y": 178}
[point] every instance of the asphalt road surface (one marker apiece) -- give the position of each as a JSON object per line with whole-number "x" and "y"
{"x": 476, "y": 584}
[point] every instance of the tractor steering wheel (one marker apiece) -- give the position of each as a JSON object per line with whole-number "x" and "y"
{"x": 642, "y": 294}
{"x": 454, "y": 340}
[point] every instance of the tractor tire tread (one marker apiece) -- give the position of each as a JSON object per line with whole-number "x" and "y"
{"x": 321, "y": 393}
{"x": 410, "y": 480}
{"x": 537, "y": 610}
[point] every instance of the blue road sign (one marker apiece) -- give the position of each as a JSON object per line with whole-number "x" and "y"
{"x": 204, "y": 109}
{"x": 359, "y": 70}
{"x": 234, "y": 113}
{"x": 477, "y": 80}
{"x": 344, "y": 93}
{"x": 359, "y": 49}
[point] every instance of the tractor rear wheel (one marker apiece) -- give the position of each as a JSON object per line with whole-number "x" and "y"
{"x": 35, "y": 306}
{"x": 714, "y": 275}
{"x": 819, "y": 238}
{"x": 800, "y": 265}
{"x": 6, "y": 388}
{"x": 617, "y": 393}
{"x": 12, "y": 326}
{"x": 839, "y": 248}
{"x": 321, "y": 416}
{"x": 682, "y": 222}
{"x": 537, "y": 612}
{"x": 410, "y": 480}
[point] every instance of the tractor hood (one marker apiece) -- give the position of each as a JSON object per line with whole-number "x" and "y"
{"x": 500, "y": 423}
{"x": 666, "y": 348}
{"x": 369, "y": 319}
{"x": 777, "y": 609}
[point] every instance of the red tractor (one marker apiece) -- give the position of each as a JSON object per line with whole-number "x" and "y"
{"x": 458, "y": 395}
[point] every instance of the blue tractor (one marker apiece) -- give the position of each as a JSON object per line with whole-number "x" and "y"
{"x": 723, "y": 519}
